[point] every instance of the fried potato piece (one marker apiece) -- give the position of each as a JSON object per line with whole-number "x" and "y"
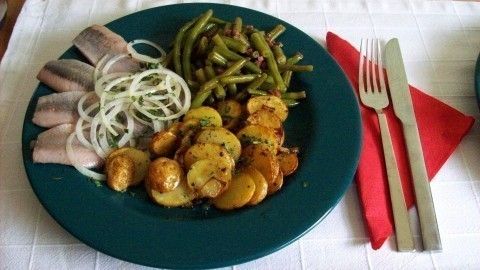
{"x": 276, "y": 185}
{"x": 256, "y": 134}
{"x": 206, "y": 115}
{"x": 212, "y": 151}
{"x": 231, "y": 112}
{"x": 175, "y": 128}
{"x": 261, "y": 185}
{"x": 223, "y": 137}
{"x": 238, "y": 194}
{"x": 163, "y": 143}
{"x": 164, "y": 174}
{"x": 140, "y": 158}
{"x": 209, "y": 177}
{"x": 288, "y": 162}
{"x": 271, "y": 103}
{"x": 260, "y": 157}
{"x": 180, "y": 196}
{"x": 267, "y": 118}
{"x": 120, "y": 171}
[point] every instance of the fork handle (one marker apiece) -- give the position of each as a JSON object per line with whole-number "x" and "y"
{"x": 403, "y": 231}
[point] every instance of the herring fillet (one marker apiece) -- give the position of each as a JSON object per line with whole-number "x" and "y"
{"x": 66, "y": 75}
{"x": 56, "y": 109}
{"x": 50, "y": 147}
{"x": 98, "y": 41}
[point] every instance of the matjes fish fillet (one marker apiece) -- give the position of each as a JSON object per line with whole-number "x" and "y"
{"x": 55, "y": 109}
{"x": 67, "y": 75}
{"x": 50, "y": 147}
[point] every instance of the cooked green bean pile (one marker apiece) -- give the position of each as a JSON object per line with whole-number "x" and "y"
{"x": 220, "y": 59}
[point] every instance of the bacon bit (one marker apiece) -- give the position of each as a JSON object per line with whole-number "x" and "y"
{"x": 275, "y": 92}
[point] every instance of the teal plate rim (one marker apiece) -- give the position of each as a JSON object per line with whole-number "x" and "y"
{"x": 326, "y": 127}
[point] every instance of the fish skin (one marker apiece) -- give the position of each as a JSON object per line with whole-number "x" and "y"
{"x": 56, "y": 109}
{"x": 50, "y": 147}
{"x": 66, "y": 75}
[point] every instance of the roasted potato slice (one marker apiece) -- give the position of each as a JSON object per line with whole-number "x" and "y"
{"x": 206, "y": 115}
{"x": 180, "y": 196}
{"x": 209, "y": 177}
{"x": 267, "y": 118}
{"x": 238, "y": 194}
{"x": 231, "y": 113}
{"x": 163, "y": 143}
{"x": 256, "y": 134}
{"x": 223, "y": 137}
{"x": 140, "y": 158}
{"x": 276, "y": 185}
{"x": 288, "y": 162}
{"x": 261, "y": 185}
{"x": 262, "y": 159}
{"x": 164, "y": 174}
{"x": 120, "y": 171}
{"x": 212, "y": 151}
{"x": 175, "y": 128}
{"x": 272, "y": 103}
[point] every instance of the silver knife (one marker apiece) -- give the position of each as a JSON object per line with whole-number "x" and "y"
{"x": 402, "y": 105}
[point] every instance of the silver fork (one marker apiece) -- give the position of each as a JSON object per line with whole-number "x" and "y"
{"x": 373, "y": 94}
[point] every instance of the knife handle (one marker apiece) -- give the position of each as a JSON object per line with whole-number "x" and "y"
{"x": 403, "y": 232}
{"x": 423, "y": 194}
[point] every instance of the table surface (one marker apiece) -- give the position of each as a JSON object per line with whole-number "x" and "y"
{"x": 440, "y": 42}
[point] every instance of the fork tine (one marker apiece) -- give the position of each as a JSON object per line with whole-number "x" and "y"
{"x": 368, "y": 64}
{"x": 361, "y": 85}
{"x": 380, "y": 68}
{"x": 373, "y": 59}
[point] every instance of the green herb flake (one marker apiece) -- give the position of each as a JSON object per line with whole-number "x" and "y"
{"x": 204, "y": 122}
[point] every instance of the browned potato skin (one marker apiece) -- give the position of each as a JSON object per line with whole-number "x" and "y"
{"x": 209, "y": 177}
{"x": 200, "y": 151}
{"x": 261, "y": 135}
{"x": 120, "y": 171}
{"x": 238, "y": 194}
{"x": 267, "y": 118}
{"x": 261, "y": 185}
{"x": 223, "y": 137}
{"x": 270, "y": 102}
{"x": 175, "y": 128}
{"x": 163, "y": 144}
{"x": 276, "y": 185}
{"x": 140, "y": 160}
{"x": 164, "y": 175}
{"x": 231, "y": 113}
{"x": 260, "y": 157}
{"x": 288, "y": 163}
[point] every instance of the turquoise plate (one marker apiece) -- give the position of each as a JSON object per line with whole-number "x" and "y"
{"x": 477, "y": 80}
{"x": 326, "y": 127}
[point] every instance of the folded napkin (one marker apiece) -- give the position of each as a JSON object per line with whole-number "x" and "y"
{"x": 441, "y": 128}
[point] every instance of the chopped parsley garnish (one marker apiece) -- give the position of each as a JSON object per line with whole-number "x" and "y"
{"x": 204, "y": 122}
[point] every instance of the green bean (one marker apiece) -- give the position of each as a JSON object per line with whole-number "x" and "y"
{"x": 279, "y": 55}
{"x": 275, "y": 32}
{"x": 203, "y": 93}
{"x": 202, "y": 45}
{"x": 229, "y": 55}
{"x": 294, "y": 95}
{"x": 238, "y": 78}
{"x": 200, "y": 75}
{"x": 190, "y": 40}
{"x": 177, "y": 45}
{"x": 257, "y": 92}
{"x": 234, "y": 44}
{"x": 227, "y": 27}
{"x": 257, "y": 82}
{"x": 209, "y": 72}
{"x": 296, "y": 68}
{"x": 217, "y": 58}
{"x": 217, "y": 20}
{"x": 295, "y": 58}
{"x": 219, "y": 92}
{"x": 208, "y": 27}
{"x": 234, "y": 68}
{"x": 261, "y": 45}
{"x": 249, "y": 29}
{"x": 237, "y": 26}
{"x": 217, "y": 40}
{"x": 290, "y": 102}
{"x": 232, "y": 89}
{"x": 287, "y": 77}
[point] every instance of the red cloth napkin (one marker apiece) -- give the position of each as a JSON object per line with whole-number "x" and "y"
{"x": 441, "y": 128}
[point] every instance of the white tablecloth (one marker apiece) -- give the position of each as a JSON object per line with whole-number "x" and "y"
{"x": 440, "y": 42}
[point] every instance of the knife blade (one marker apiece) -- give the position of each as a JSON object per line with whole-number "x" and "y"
{"x": 403, "y": 108}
